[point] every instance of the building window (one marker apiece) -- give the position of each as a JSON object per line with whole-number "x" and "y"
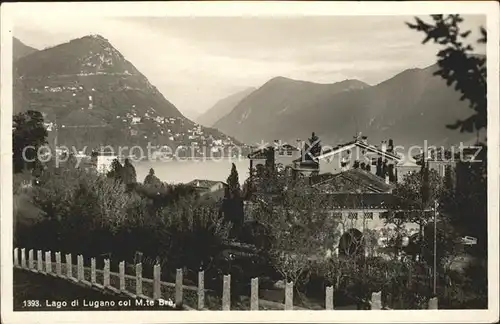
{"x": 368, "y": 215}
{"x": 337, "y": 214}
{"x": 289, "y": 153}
{"x": 352, "y": 215}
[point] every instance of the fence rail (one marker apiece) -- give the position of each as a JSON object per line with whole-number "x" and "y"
{"x": 135, "y": 286}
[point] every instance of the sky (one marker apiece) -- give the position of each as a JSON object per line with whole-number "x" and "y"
{"x": 197, "y": 61}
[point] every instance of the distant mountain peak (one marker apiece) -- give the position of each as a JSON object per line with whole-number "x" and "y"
{"x": 20, "y": 49}
{"x": 223, "y": 107}
{"x": 409, "y": 107}
{"x": 280, "y": 79}
{"x": 98, "y": 36}
{"x": 354, "y": 83}
{"x": 81, "y": 56}
{"x": 347, "y": 82}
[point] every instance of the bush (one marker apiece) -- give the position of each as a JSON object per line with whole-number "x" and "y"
{"x": 92, "y": 214}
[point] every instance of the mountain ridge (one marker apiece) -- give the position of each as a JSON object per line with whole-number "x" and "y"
{"x": 410, "y": 107}
{"x": 223, "y": 107}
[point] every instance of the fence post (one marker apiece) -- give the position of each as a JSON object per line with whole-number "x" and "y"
{"x": 254, "y": 294}
{"x": 178, "y": 288}
{"x": 58, "y": 264}
{"x": 329, "y": 298}
{"x": 69, "y": 266}
{"x": 106, "y": 273}
{"x": 23, "y": 258}
{"x": 289, "y": 296}
{"x": 31, "y": 261}
{"x": 93, "y": 278}
{"x": 39, "y": 261}
{"x": 48, "y": 261}
{"x": 156, "y": 282}
{"x": 226, "y": 293}
{"x": 121, "y": 267}
{"x": 376, "y": 301}
{"x": 433, "y": 303}
{"x": 201, "y": 290}
{"x": 80, "y": 270}
{"x": 16, "y": 257}
{"x": 138, "y": 279}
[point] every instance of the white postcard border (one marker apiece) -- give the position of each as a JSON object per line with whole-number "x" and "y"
{"x": 276, "y": 9}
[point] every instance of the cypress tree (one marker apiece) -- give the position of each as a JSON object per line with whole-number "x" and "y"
{"x": 116, "y": 170}
{"x": 151, "y": 179}
{"x": 315, "y": 145}
{"x": 233, "y": 182}
{"x": 232, "y": 205}
{"x": 129, "y": 175}
{"x": 425, "y": 189}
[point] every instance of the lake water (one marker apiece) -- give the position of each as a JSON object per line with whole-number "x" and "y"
{"x": 185, "y": 171}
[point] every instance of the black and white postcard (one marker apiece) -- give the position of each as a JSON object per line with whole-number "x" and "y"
{"x": 250, "y": 162}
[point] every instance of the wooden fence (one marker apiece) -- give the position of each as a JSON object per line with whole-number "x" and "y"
{"x": 154, "y": 289}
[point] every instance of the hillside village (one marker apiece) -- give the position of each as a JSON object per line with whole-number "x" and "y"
{"x": 98, "y": 99}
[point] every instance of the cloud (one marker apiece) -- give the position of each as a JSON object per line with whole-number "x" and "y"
{"x": 196, "y": 61}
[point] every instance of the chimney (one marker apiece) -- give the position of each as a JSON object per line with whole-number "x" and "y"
{"x": 364, "y": 140}
{"x": 299, "y": 145}
{"x": 391, "y": 146}
{"x": 383, "y": 147}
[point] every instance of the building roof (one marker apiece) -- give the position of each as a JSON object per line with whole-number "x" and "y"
{"x": 201, "y": 183}
{"x": 305, "y": 165}
{"x": 408, "y": 163}
{"x": 356, "y": 143}
{"x": 216, "y": 195}
{"x": 365, "y": 201}
{"x": 288, "y": 147}
{"x": 440, "y": 154}
{"x": 261, "y": 152}
{"x": 354, "y": 181}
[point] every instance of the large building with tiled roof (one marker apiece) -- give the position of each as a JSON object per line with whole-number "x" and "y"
{"x": 353, "y": 181}
{"x": 207, "y": 186}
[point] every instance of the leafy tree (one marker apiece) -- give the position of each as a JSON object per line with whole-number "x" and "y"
{"x": 74, "y": 203}
{"x": 297, "y": 225}
{"x": 191, "y": 234}
{"x": 466, "y": 72}
{"x": 458, "y": 65}
{"x": 28, "y": 130}
{"x": 468, "y": 204}
{"x": 417, "y": 193}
